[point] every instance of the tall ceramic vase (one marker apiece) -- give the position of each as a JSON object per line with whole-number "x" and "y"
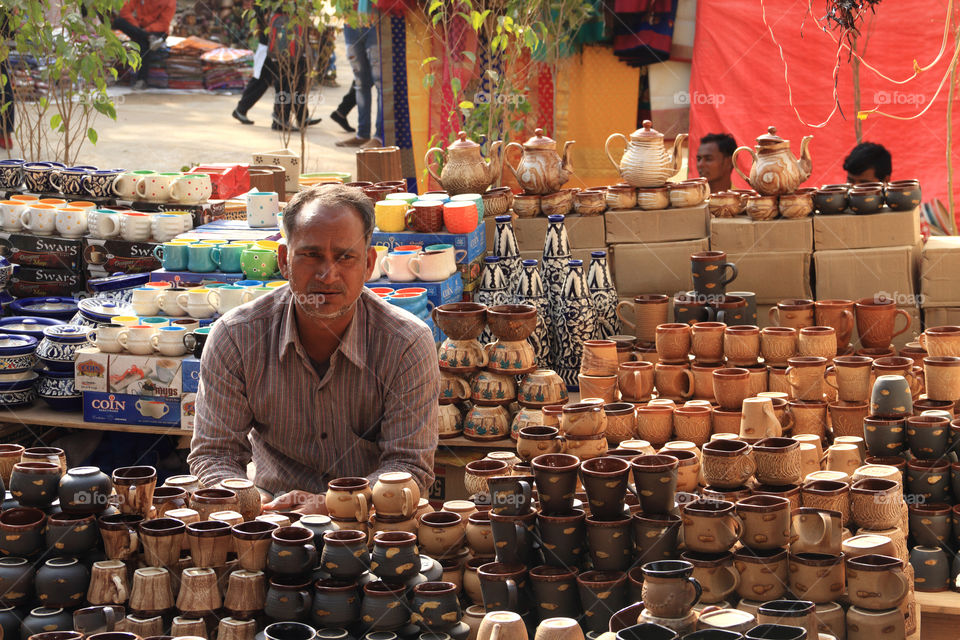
{"x": 530, "y": 291}
{"x": 492, "y": 291}
{"x": 556, "y": 253}
{"x": 575, "y": 321}
{"x": 604, "y": 295}
{"x": 505, "y": 247}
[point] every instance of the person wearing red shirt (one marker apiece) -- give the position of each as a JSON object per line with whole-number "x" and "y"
{"x": 147, "y": 23}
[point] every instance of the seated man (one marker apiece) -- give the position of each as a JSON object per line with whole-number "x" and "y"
{"x": 868, "y": 162}
{"x": 147, "y": 23}
{"x": 319, "y": 379}
{"x": 715, "y": 160}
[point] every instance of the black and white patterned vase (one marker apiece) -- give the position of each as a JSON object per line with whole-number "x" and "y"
{"x": 604, "y": 294}
{"x": 505, "y": 247}
{"x": 575, "y": 320}
{"x": 530, "y": 291}
{"x": 556, "y": 253}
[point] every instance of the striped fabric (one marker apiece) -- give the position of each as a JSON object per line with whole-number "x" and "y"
{"x": 260, "y": 398}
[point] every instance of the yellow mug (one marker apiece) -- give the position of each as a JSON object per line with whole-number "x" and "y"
{"x": 391, "y": 215}
{"x": 269, "y": 245}
{"x": 276, "y": 283}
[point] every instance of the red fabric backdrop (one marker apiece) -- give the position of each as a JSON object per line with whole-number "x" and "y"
{"x": 737, "y": 85}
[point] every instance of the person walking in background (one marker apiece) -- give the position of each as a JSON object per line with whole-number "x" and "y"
{"x": 363, "y": 51}
{"x": 147, "y": 23}
{"x": 347, "y": 103}
{"x": 264, "y": 71}
{"x": 286, "y": 43}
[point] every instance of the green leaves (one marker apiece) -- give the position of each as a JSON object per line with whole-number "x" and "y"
{"x": 56, "y": 121}
{"x": 92, "y": 135}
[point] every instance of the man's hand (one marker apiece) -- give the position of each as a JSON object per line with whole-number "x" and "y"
{"x": 298, "y": 501}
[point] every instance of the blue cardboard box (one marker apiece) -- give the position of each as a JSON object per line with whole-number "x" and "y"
{"x": 449, "y": 290}
{"x": 122, "y": 408}
{"x": 190, "y": 372}
{"x": 474, "y": 243}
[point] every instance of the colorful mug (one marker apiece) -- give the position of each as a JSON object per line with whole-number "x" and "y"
{"x": 258, "y": 264}
{"x": 200, "y": 258}
{"x": 391, "y": 215}
{"x": 174, "y": 256}
{"x": 227, "y": 257}
{"x": 125, "y": 185}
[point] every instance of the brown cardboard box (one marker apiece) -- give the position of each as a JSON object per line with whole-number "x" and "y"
{"x": 940, "y": 316}
{"x": 666, "y": 225}
{"x": 575, "y": 254}
{"x": 848, "y": 231}
{"x": 742, "y": 234}
{"x": 858, "y": 273}
{"x": 662, "y": 267}
{"x": 772, "y": 275}
{"x": 939, "y": 271}
{"x": 582, "y": 232}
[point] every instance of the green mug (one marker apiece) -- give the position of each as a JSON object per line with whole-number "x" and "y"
{"x": 259, "y": 264}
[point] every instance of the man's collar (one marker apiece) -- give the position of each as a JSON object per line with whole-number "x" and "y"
{"x": 351, "y": 344}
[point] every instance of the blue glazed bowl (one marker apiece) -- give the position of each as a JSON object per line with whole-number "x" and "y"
{"x": 18, "y": 389}
{"x": 27, "y": 325}
{"x": 57, "y": 390}
{"x": 59, "y": 346}
{"x": 17, "y": 353}
{"x": 58, "y": 308}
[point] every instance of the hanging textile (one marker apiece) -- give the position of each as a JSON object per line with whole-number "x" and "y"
{"x": 643, "y": 30}
{"x": 396, "y": 109}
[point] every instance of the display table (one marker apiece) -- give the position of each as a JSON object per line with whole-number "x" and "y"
{"x": 40, "y": 415}
{"x": 939, "y": 613}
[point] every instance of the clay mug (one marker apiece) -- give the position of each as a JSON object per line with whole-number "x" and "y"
{"x": 710, "y": 526}
{"x": 98, "y": 619}
{"x": 875, "y": 503}
{"x": 830, "y": 495}
{"x": 942, "y": 377}
{"x": 230, "y": 628}
{"x": 563, "y": 538}
{"x": 135, "y": 487}
{"x": 941, "y": 341}
{"x": 727, "y": 464}
{"x": 669, "y": 588}
{"x": 673, "y": 342}
{"x": 673, "y": 381}
{"x": 502, "y": 586}
{"x": 152, "y": 591}
{"x": 766, "y": 521}
{"x": 741, "y": 345}
{"x": 538, "y": 440}
{"x": 252, "y": 541}
{"x": 199, "y": 593}
{"x": 715, "y": 573}
{"x": 108, "y": 583}
{"x": 841, "y": 457}
{"x": 876, "y": 320}
{"x": 868, "y": 544}
{"x": 863, "y": 624}
{"x": 646, "y": 313}
{"x": 838, "y": 314}
{"x": 121, "y": 539}
{"x": 790, "y": 614}
{"x": 209, "y": 542}
{"x": 585, "y": 418}
{"x": 655, "y": 478}
{"x": 207, "y": 501}
{"x": 501, "y": 625}
{"x": 556, "y": 479}
{"x": 635, "y": 380}
{"x": 599, "y": 358}
{"x": 759, "y": 419}
{"x": 730, "y": 387}
{"x": 778, "y": 461}
{"x": 891, "y": 397}
{"x": 817, "y": 341}
{"x": 605, "y": 481}
{"x": 710, "y": 272}
{"x": 818, "y": 577}
{"x": 796, "y": 313}
{"x": 693, "y": 423}
{"x": 706, "y": 341}
{"x": 928, "y": 436}
{"x": 604, "y": 387}
{"x": 763, "y": 573}
{"x": 349, "y": 497}
{"x": 805, "y": 375}
{"x": 777, "y": 344}
{"x": 396, "y": 494}
{"x": 162, "y": 539}
{"x": 876, "y": 582}
{"x": 852, "y": 377}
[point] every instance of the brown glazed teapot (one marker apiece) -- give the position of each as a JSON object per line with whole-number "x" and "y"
{"x": 541, "y": 171}
{"x": 464, "y": 168}
{"x": 645, "y": 162}
{"x": 776, "y": 171}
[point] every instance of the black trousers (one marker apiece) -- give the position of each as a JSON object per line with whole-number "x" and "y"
{"x": 291, "y": 91}
{"x": 349, "y": 100}
{"x": 6, "y": 99}
{"x": 142, "y": 39}
{"x": 258, "y": 86}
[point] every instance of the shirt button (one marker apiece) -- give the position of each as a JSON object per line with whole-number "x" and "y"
{"x": 323, "y": 435}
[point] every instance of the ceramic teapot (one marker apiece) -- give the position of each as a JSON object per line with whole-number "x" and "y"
{"x": 775, "y": 170}
{"x": 645, "y": 163}
{"x": 464, "y": 169}
{"x": 540, "y": 170}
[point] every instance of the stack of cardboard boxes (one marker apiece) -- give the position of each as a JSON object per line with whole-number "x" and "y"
{"x": 940, "y": 281}
{"x": 650, "y": 250}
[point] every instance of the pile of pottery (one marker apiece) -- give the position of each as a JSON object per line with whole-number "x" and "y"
{"x": 256, "y": 260}
{"x": 541, "y": 173}
{"x": 573, "y": 305}
{"x": 465, "y": 176}
{"x": 867, "y": 197}
{"x": 487, "y": 375}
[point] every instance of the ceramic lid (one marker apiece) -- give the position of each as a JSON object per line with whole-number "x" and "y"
{"x": 68, "y": 332}
{"x": 27, "y": 324}
{"x": 462, "y": 142}
{"x": 12, "y": 343}
{"x": 540, "y": 141}
{"x": 770, "y": 137}
{"x": 103, "y": 310}
{"x": 647, "y": 132}
{"x": 49, "y": 304}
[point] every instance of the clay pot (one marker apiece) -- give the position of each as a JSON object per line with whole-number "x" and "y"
{"x": 512, "y": 322}
{"x": 461, "y": 320}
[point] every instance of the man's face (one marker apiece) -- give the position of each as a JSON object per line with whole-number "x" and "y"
{"x": 870, "y": 175}
{"x": 327, "y": 261}
{"x": 711, "y": 164}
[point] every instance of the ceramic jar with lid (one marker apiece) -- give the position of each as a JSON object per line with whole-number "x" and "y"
{"x": 58, "y": 391}
{"x": 59, "y": 346}
{"x": 58, "y": 308}
{"x": 17, "y": 353}
{"x": 27, "y": 326}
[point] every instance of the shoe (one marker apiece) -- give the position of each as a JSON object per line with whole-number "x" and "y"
{"x": 341, "y": 120}
{"x": 353, "y": 142}
{"x": 242, "y": 117}
{"x": 311, "y": 122}
{"x": 139, "y": 85}
{"x": 276, "y": 125}
{"x": 372, "y": 143}
{"x": 156, "y": 42}
{"x": 330, "y": 81}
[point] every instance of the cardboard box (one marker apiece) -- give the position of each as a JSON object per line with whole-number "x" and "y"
{"x": 473, "y": 243}
{"x": 90, "y": 370}
{"x": 49, "y": 252}
{"x": 662, "y": 267}
{"x": 188, "y": 411}
{"x": 450, "y": 290}
{"x": 940, "y": 271}
{"x": 286, "y": 159}
{"x": 582, "y": 232}
{"x": 666, "y": 225}
{"x": 146, "y": 376}
{"x": 190, "y": 374}
{"x": 859, "y": 273}
{"x": 772, "y": 275}
{"x": 742, "y": 234}
{"x": 941, "y": 316}
{"x": 118, "y": 408}
{"x": 470, "y": 273}
{"x": 40, "y": 281}
{"x": 122, "y": 256}
{"x": 850, "y": 231}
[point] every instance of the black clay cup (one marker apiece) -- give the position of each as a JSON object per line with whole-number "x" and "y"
{"x": 927, "y": 480}
{"x": 655, "y": 536}
{"x": 84, "y": 490}
{"x": 514, "y": 537}
{"x": 288, "y": 599}
{"x": 16, "y": 581}
{"x": 71, "y": 534}
{"x": 34, "y": 484}
{"x": 384, "y": 606}
{"x": 435, "y": 605}
{"x": 10, "y": 618}
{"x": 62, "y": 582}
{"x": 884, "y": 436}
{"x": 556, "y": 478}
{"x": 336, "y": 603}
{"x": 291, "y": 552}
{"x": 395, "y": 557}
{"x": 930, "y": 524}
{"x": 563, "y": 538}
{"x": 710, "y": 273}
{"x": 288, "y": 631}
{"x": 45, "y": 619}
{"x": 655, "y": 477}
{"x": 601, "y": 594}
{"x": 21, "y": 531}
{"x": 510, "y": 495}
{"x": 504, "y": 587}
{"x": 647, "y": 631}
{"x": 195, "y": 341}
{"x": 555, "y": 591}
{"x": 776, "y": 632}
{"x": 928, "y": 436}
{"x": 605, "y": 481}
{"x": 99, "y": 619}
{"x": 610, "y": 543}
{"x": 345, "y": 554}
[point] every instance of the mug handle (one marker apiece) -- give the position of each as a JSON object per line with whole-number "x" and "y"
{"x": 737, "y": 526}
{"x": 109, "y": 615}
{"x": 459, "y": 255}
{"x": 774, "y": 311}
{"x": 385, "y": 265}
{"x": 904, "y": 583}
{"x": 245, "y": 296}
{"x": 190, "y": 347}
{"x": 84, "y": 181}
{"x": 134, "y": 538}
{"x": 787, "y": 373}
{"x": 166, "y": 410}
{"x": 408, "y": 219}
{"x": 736, "y": 581}
{"x": 113, "y": 185}
{"x": 114, "y": 225}
{"x": 122, "y": 338}
{"x": 155, "y": 341}
{"x": 215, "y": 256}
{"x": 92, "y": 338}
{"x": 141, "y": 192}
{"x": 690, "y": 384}
{"x": 698, "y": 590}
{"x": 211, "y": 295}
{"x": 525, "y": 491}
{"x": 826, "y": 374}
{"x": 464, "y": 387}
{"x": 312, "y": 555}
{"x": 751, "y": 463}
{"x": 906, "y": 326}
{"x": 120, "y": 587}
{"x": 484, "y": 358}
{"x": 495, "y": 633}
{"x": 721, "y": 315}
{"x": 512, "y": 595}
{"x": 622, "y": 305}
{"x": 922, "y": 339}
{"x": 56, "y": 184}
{"x": 25, "y": 218}
{"x": 414, "y": 265}
{"x": 158, "y": 252}
{"x": 182, "y": 301}
{"x": 363, "y": 509}
{"x": 409, "y": 504}
{"x": 732, "y": 267}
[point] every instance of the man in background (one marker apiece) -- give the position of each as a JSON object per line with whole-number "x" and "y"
{"x": 868, "y": 162}
{"x": 715, "y": 160}
{"x": 147, "y": 23}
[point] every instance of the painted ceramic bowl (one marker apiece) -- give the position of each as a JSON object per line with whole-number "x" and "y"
{"x": 17, "y": 353}
{"x": 27, "y": 326}
{"x": 57, "y": 390}
{"x": 58, "y": 308}
{"x": 18, "y": 389}
{"x": 102, "y": 311}
{"x": 59, "y": 346}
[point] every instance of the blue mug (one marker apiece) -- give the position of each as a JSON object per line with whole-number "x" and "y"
{"x": 200, "y": 258}
{"x": 227, "y": 257}
{"x": 173, "y": 256}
